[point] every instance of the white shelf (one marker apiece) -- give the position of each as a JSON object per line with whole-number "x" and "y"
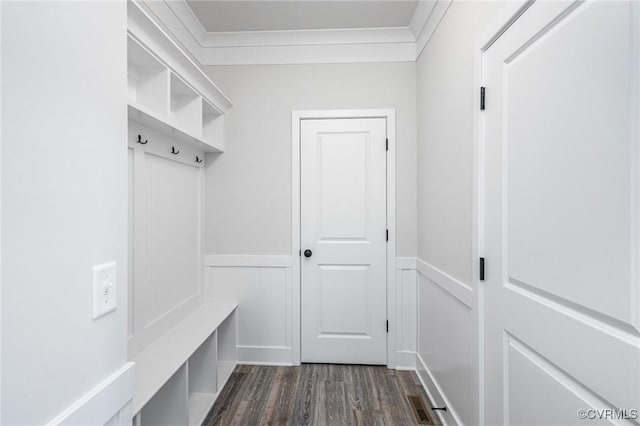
{"x": 142, "y": 115}
{"x": 168, "y": 407}
{"x": 186, "y": 106}
{"x": 202, "y": 379}
{"x": 212, "y": 125}
{"x": 148, "y": 80}
{"x": 157, "y": 363}
{"x": 199, "y": 406}
{"x": 144, "y": 29}
{"x": 227, "y": 350}
{"x": 164, "y": 100}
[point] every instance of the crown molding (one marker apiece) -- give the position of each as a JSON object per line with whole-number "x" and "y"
{"x": 431, "y": 14}
{"x": 309, "y": 54}
{"x": 308, "y": 46}
{"x": 162, "y": 14}
{"x": 308, "y": 37}
{"x": 185, "y": 15}
{"x": 420, "y": 17}
{"x": 398, "y": 44}
{"x": 145, "y": 30}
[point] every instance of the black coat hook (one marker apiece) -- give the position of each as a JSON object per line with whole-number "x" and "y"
{"x": 140, "y": 140}
{"x": 198, "y": 160}
{"x": 173, "y": 151}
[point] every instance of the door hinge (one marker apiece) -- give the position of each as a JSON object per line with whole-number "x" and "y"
{"x": 387, "y": 235}
{"x": 300, "y": 252}
{"x": 482, "y": 96}
{"x": 387, "y": 326}
{"x": 387, "y": 144}
{"x": 482, "y": 269}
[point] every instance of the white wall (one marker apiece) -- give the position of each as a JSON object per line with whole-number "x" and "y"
{"x": 249, "y": 186}
{"x": 447, "y": 316}
{"x": 64, "y": 201}
{"x": 1, "y": 258}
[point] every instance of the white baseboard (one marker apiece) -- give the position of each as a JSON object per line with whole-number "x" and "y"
{"x": 406, "y": 360}
{"x": 111, "y": 398}
{"x": 435, "y": 393}
{"x": 265, "y": 355}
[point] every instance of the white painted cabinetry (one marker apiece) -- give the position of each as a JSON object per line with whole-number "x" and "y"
{"x": 163, "y": 101}
{"x": 184, "y": 349}
{"x": 180, "y": 375}
{"x": 168, "y": 91}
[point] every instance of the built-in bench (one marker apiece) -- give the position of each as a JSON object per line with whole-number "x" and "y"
{"x": 179, "y": 375}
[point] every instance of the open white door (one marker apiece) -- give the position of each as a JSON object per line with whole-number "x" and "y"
{"x": 562, "y": 290}
{"x": 343, "y": 240}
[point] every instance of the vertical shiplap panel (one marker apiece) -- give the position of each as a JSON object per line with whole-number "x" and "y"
{"x": 166, "y": 222}
{"x": 405, "y": 319}
{"x": 172, "y": 223}
{"x": 130, "y": 240}
{"x": 406, "y": 314}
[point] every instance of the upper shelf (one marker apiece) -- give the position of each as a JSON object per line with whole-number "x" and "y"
{"x": 167, "y": 90}
{"x": 163, "y": 101}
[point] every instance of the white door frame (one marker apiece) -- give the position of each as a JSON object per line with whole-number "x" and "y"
{"x": 296, "y": 118}
{"x": 510, "y": 13}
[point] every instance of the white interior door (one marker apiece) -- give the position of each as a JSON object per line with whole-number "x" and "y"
{"x": 343, "y": 240}
{"x": 562, "y": 292}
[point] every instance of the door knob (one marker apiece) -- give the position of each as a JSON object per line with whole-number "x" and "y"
{"x": 308, "y": 253}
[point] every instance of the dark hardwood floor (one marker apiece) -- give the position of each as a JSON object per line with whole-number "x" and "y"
{"x": 318, "y": 394}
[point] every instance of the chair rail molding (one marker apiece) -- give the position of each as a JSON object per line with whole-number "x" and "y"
{"x": 248, "y": 261}
{"x": 396, "y": 44}
{"x": 406, "y": 263}
{"x": 456, "y": 288}
{"x": 112, "y": 397}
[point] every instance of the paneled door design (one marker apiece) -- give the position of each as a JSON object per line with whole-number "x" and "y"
{"x": 562, "y": 292}
{"x": 343, "y": 240}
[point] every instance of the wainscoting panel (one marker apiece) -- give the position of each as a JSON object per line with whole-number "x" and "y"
{"x": 109, "y": 403}
{"x": 406, "y": 313}
{"x": 262, "y": 286}
{"x": 447, "y": 361}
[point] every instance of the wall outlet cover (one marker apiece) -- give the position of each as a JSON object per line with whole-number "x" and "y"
{"x": 104, "y": 289}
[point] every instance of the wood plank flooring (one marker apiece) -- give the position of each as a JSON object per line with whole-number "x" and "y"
{"x": 317, "y": 394}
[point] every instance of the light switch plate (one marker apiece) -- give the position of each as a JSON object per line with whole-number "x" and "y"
{"x": 104, "y": 289}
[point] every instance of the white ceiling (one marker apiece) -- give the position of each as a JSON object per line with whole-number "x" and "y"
{"x": 270, "y": 15}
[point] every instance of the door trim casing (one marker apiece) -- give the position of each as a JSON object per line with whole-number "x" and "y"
{"x": 509, "y": 14}
{"x": 296, "y": 117}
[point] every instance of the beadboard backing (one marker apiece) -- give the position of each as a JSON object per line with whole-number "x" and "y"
{"x": 169, "y": 265}
{"x": 166, "y": 196}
